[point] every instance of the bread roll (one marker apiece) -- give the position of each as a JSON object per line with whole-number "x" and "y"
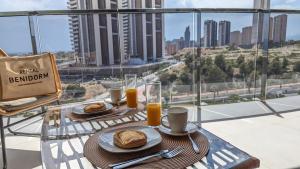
{"x": 129, "y": 139}
{"x": 94, "y": 107}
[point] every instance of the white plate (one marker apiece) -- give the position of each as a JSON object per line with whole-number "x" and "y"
{"x": 105, "y": 140}
{"x": 80, "y": 108}
{"x": 190, "y": 128}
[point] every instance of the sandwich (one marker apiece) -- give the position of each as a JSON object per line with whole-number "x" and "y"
{"x": 128, "y": 139}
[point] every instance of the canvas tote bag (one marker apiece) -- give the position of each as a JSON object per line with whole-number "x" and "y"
{"x": 28, "y": 76}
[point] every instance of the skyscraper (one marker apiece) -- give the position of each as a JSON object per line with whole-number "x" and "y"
{"x": 280, "y": 25}
{"x": 224, "y": 33}
{"x": 187, "y": 36}
{"x": 74, "y": 30}
{"x": 246, "y": 35}
{"x": 235, "y": 38}
{"x": 106, "y": 39}
{"x": 210, "y": 33}
{"x": 257, "y": 21}
{"x": 271, "y": 29}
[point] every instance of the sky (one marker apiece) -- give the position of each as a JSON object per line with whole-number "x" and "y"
{"x": 54, "y": 35}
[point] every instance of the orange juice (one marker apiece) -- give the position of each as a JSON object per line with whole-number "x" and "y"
{"x": 153, "y": 114}
{"x": 131, "y": 95}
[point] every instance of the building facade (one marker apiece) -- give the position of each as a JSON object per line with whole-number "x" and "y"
{"x": 257, "y": 21}
{"x": 187, "y": 37}
{"x": 210, "y": 33}
{"x": 108, "y": 39}
{"x": 224, "y": 33}
{"x": 235, "y": 38}
{"x": 279, "y": 28}
{"x": 246, "y": 36}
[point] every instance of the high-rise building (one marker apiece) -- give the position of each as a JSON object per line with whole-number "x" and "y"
{"x": 74, "y": 27}
{"x": 171, "y": 47}
{"x": 198, "y": 29}
{"x": 187, "y": 37}
{"x": 257, "y": 21}
{"x": 106, "y": 39}
{"x": 271, "y": 29}
{"x": 210, "y": 33}
{"x": 235, "y": 38}
{"x": 246, "y": 35}
{"x": 224, "y": 33}
{"x": 280, "y": 25}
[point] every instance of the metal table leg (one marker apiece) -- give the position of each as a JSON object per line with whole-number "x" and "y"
{"x": 4, "y": 159}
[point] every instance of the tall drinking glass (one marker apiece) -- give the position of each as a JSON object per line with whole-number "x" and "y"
{"x": 131, "y": 91}
{"x": 153, "y": 97}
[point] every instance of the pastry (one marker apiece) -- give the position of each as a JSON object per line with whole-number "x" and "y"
{"x": 129, "y": 139}
{"x": 94, "y": 107}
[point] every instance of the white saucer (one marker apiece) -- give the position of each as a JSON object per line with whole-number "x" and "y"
{"x": 108, "y": 100}
{"x": 190, "y": 128}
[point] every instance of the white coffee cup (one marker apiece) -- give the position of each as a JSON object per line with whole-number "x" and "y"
{"x": 115, "y": 95}
{"x": 177, "y": 119}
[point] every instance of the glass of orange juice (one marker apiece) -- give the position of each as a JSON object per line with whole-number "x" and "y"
{"x": 153, "y": 97}
{"x": 130, "y": 90}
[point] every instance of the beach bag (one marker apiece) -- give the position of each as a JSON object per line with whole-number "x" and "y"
{"x": 28, "y": 76}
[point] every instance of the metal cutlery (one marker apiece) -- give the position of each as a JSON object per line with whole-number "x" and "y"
{"x": 169, "y": 154}
{"x": 195, "y": 146}
{"x": 116, "y": 164}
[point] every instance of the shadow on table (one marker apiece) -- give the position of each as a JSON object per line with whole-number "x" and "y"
{"x": 24, "y": 159}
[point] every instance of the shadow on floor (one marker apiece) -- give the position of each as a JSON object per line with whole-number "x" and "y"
{"x": 22, "y": 159}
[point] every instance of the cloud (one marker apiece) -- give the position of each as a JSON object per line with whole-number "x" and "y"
{"x": 290, "y": 1}
{"x": 24, "y": 5}
{"x": 285, "y": 4}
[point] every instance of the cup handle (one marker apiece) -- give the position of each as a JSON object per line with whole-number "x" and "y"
{"x": 162, "y": 123}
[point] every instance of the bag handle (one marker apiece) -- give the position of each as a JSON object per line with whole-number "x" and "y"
{"x": 2, "y": 53}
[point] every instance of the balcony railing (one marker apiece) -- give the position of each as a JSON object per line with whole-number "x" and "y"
{"x": 239, "y": 78}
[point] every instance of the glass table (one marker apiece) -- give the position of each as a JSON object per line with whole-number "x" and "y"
{"x": 63, "y": 139}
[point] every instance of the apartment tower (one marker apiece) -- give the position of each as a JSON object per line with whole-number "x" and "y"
{"x": 279, "y": 29}
{"x": 210, "y": 33}
{"x": 108, "y": 39}
{"x": 235, "y": 38}
{"x": 187, "y": 37}
{"x": 246, "y": 36}
{"x": 224, "y": 33}
{"x": 257, "y": 21}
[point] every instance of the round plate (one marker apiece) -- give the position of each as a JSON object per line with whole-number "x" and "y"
{"x": 80, "y": 108}
{"x": 106, "y": 141}
{"x": 190, "y": 128}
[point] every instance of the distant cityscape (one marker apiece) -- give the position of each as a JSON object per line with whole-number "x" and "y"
{"x": 136, "y": 39}
{"x": 214, "y": 35}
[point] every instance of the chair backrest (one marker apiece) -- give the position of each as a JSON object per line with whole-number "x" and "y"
{"x": 2, "y": 53}
{"x": 28, "y": 76}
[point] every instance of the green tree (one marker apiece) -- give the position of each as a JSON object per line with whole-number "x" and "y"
{"x": 229, "y": 70}
{"x": 259, "y": 63}
{"x": 189, "y": 62}
{"x": 296, "y": 67}
{"x": 209, "y": 61}
{"x": 167, "y": 78}
{"x": 215, "y": 74}
{"x": 185, "y": 78}
{"x": 285, "y": 63}
{"x": 240, "y": 60}
{"x": 234, "y": 98}
{"x": 220, "y": 62}
{"x": 275, "y": 67}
